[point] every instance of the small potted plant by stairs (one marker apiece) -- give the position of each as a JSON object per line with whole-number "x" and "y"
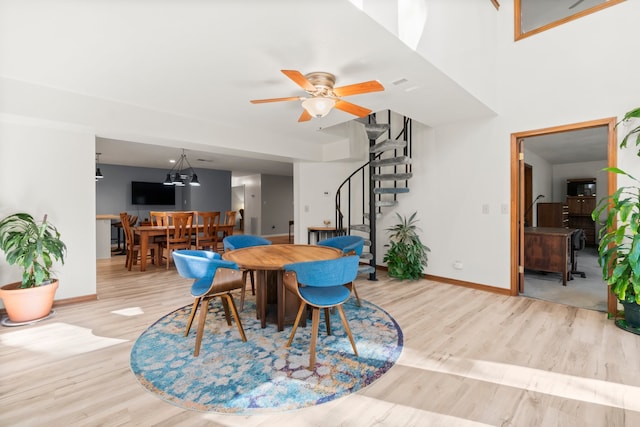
{"x": 406, "y": 255}
{"x": 33, "y": 246}
{"x": 619, "y": 247}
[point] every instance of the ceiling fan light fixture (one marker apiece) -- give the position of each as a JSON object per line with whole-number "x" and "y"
{"x": 318, "y": 106}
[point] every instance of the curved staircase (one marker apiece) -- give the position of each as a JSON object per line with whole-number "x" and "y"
{"x": 375, "y": 185}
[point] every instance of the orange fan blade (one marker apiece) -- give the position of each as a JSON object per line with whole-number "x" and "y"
{"x": 364, "y": 87}
{"x": 300, "y": 80}
{"x": 305, "y": 116}
{"x": 350, "y": 108}
{"x": 261, "y": 101}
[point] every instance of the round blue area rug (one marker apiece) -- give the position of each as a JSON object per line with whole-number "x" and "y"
{"x": 262, "y": 375}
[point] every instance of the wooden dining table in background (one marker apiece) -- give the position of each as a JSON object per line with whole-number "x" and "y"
{"x": 272, "y": 259}
{"x": 147, "y": 232}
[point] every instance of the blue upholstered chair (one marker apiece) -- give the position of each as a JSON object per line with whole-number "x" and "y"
{"x": 239, "y": 241}
{"x": 321, "y": 284}
{"x": 349, "y": 245}
{"x": 213, "y": 277}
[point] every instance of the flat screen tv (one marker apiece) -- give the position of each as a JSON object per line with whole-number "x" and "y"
{"x": 152, "y": 193}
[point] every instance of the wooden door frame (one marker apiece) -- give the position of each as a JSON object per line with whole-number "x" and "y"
{"x": 517, "y": 184}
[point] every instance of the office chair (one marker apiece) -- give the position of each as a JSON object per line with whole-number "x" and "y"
{"x": 578, "y": 243}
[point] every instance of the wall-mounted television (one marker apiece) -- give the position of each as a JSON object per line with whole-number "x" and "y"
{"x": 152, "y": 193}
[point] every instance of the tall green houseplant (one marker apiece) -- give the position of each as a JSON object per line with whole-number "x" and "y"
{"x": 406, "y": 255}
{"x": 619, "y": 247}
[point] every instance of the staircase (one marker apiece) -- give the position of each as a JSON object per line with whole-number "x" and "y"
{"x": 376, "y": 184}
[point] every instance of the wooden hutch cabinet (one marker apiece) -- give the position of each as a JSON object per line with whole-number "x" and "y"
{"x": 581, "y": 200}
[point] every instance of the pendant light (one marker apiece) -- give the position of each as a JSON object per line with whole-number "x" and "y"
{"x": 98, "y": 171}
{"x": 182, "y": 171}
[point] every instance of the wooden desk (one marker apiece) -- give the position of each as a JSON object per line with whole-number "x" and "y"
{"x": 273, "y": 258}
{"x": 548, "y": 249}
{"x": 326, "y": 231}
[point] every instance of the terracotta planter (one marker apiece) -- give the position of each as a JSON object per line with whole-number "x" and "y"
{"x": 25, "y": 305}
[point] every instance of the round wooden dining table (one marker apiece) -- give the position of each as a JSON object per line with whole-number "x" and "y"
{"x": 269, "y": 261}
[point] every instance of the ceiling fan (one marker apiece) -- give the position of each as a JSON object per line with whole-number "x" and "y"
{"x": 324, "y": 96}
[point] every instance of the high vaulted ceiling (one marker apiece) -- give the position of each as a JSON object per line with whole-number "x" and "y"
{"x": 205, "y": 60}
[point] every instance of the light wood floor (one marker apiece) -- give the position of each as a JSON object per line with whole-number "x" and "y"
{"x": 471, "y": 358}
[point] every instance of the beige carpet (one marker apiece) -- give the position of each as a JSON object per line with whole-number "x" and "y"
{"x": 589, "y": 292}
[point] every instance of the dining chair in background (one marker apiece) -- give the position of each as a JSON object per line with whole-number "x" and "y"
{"x": 213, "y": 277}
{"x": 159, "y": 218}
{"x": 230, "y": 218}
{"x": 349, "y": 245}
{"x": 239, "y": 241}
{"x": 178, "y": 236}
{"x": 207, "y": 236}
{"x": 132, "y": 245}
{"x": 321, "y": 285}
{"x": 230, "y": 221}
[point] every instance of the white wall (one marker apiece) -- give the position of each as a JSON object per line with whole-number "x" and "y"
{"x": 48, "y": 168}
{"x": 581, "y": 71}
{"x": 542, "y": 182}
{"x": 461, "y": 185}
{"x": 311, "y": 180}
{"x": 579, "y": 170}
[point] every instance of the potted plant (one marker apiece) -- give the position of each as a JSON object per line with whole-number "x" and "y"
{"x": 33, "y": 246}
{"x": 407, "y": 255}
{"x": 619, "y": 247}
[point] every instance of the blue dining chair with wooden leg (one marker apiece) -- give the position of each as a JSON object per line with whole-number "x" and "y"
{"x": 321, "y": 285}
{"x": 213, "y": 277}
{"x": 349, "y": 245}
{"x": 238, "y": 241}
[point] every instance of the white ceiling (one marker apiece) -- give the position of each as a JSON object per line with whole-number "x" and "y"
{"x": 126, "y": 153}
{"x": 205, "y": 60}
{"x": 584, "y": 145}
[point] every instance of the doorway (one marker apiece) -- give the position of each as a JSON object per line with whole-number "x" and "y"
{"x": 237, "y": 204}
{"x": 563, "y": 142}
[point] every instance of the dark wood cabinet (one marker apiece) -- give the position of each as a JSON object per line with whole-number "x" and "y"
{"x": 580, "y": 208}
{"x": 553, "y": 215}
